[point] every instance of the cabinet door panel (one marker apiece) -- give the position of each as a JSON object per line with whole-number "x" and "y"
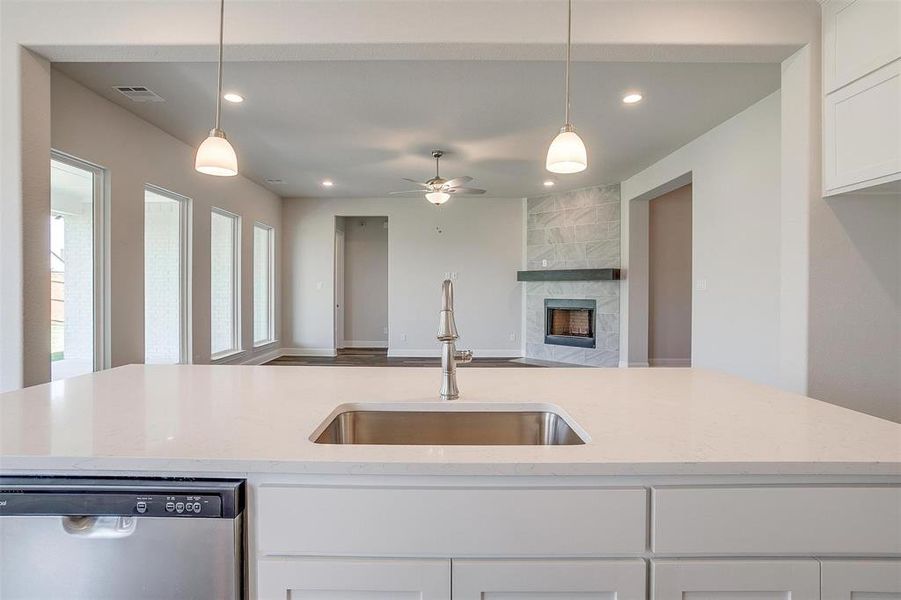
{"x": 549, "y": 579}
{"x": 861, "y": 580}
{"x": 736, "y": 580}
{"x": 353, "y": 579}
{"x": 858, "y": 37}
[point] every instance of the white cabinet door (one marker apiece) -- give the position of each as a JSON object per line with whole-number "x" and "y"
{"x": 861, "y": 579}
{"x": 862, "y": 131}
{"x": 859, "y": 36}
{"x": 736, "y": 579}
{"x": 549, "y": 579}
{"x": 353, "y": 579}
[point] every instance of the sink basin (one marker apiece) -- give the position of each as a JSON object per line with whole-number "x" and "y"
{"x": 468, "y": 425}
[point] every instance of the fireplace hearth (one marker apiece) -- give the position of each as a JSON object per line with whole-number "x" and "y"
{"x": 569, "y": 322}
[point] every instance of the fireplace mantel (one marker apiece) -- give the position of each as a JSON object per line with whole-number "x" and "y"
{"x": 569, "y": 275}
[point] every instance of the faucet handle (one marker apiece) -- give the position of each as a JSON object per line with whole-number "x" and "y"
{"x": 463, "y": 356}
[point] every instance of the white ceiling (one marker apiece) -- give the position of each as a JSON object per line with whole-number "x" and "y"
{"x": 367, "y": 124}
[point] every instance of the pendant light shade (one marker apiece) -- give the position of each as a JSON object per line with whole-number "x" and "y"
{"x": 215, "y": 156}
{"x": 567, "y": 153}
{"x": 437, "y": 198}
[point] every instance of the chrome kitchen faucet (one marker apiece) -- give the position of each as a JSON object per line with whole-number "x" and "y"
{"x": 447, "y": 335}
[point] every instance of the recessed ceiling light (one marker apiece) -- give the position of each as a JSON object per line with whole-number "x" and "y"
{"x": 327, "y": 183}
{"x": 549, "y": 183}
{"x": 233, "y": 97}
{"x": 632, "y": 98}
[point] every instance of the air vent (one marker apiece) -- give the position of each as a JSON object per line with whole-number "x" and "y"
{"x": 138, "y": 93}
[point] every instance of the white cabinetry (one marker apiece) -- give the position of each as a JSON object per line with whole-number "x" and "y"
{"x": 353, "y": 579}
{"x": 862, "y": 87}
{"x": 861, "y": 580}
{"x": 549, "y": 579}
{"x": 736, "y": 579}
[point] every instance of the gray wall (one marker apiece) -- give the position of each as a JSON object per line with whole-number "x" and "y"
{"x": 855, "y": 303}
{"x": 136, "y": 153}
{"x": 574, "y": 230}
{"x": 669, "y": 282}
{"x": 366, "y": 281}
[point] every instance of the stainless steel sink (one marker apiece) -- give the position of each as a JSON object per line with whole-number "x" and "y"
{"x": 442, "y": 427}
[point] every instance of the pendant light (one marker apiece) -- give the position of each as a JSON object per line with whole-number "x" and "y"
{"x": 566, "y": 153}
{"x": 215, "y": 156}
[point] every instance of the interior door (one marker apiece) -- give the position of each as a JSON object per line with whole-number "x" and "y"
{"x": 736, "y": 579}
{"x": 549, "y": 579}
{"x": 339, "y": 289}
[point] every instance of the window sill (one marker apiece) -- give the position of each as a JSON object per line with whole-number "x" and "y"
{"x": 225, "y": 356}
{"x": 257, "y": 345}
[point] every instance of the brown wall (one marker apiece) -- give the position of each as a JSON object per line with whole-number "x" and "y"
{"x": 669, "y": 291}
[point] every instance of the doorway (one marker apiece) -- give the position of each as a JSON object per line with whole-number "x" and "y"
{"x": 361, "y": 283}
{"x": 670, "y": 279}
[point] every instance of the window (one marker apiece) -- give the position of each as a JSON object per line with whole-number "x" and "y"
{"x": 166, "y": 277}
{"x": 225, "y": 267}
{"x": 76, "y": 260}
{"x": 263, "y": 284}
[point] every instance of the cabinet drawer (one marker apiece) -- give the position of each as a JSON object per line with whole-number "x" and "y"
{"x": 450, "y": 522}
{"x": 861, "y": 579}
{"x": 777, "y": 520}
{"x": 862, "y": 130}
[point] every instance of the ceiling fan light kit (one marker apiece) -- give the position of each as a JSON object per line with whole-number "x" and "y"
{"x": 437, "y": 198}
{"x": 215, "y": 156}
{"x": 567, "y": 153}
{"x": 438, "y": 190}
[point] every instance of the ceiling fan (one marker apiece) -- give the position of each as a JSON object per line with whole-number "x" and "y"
{"x": 438, "y": 190}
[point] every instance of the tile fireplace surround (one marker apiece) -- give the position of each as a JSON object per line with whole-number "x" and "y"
{"x": 574, "y": 230}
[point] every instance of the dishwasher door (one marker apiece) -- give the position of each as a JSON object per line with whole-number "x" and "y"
{"x": 100, "y": 544}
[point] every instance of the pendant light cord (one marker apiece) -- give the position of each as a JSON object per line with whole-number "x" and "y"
{"x": 219, "y": 76}
{"x": 569, "y": 34}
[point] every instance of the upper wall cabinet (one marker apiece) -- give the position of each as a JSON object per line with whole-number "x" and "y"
{"x": 862, "y": 86}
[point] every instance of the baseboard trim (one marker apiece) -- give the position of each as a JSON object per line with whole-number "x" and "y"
{"x": 436, "y": 353}
{"x": 365, "y": 344}
{"x": 634, "y": 365}
{"x": 670, "y": 362}
{"x": 263, "y": 357}
{"x": 308, "y": 352}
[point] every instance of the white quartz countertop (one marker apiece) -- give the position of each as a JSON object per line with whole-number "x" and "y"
{"x": 254, "y": 419}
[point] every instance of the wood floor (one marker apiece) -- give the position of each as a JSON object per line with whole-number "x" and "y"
{"x": 378, "y": 357}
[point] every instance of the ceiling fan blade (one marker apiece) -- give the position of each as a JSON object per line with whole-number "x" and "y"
{"x": 464, "y": 191}
{"x": 419, "y": 183}
{"x": 408, "y": 192}
{"x": 457, "y": 181}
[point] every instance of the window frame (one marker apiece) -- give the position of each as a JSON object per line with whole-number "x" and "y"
{"x": 100, "y": 256}
{"x": 237, "y": 345}
{"x": 271, "y": 337}
{"x": 185, "y": 270}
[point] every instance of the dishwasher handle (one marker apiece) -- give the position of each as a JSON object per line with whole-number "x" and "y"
{"x": 105, "y": 528}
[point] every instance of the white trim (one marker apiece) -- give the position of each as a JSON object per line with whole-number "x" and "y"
{"x": 309, "y": 352}
{"x": 100, "y": 258}
{"x": 633, "y": 365}
{"x": 237, "y": 345}
{"x": 436, "y": 353}
{"x": 263, "y": 357}
{"x": 270, "y": 230}
{"x": 364, "y": 344}
{"x": 669, "y": 362}
{"x": 185, "y": 266}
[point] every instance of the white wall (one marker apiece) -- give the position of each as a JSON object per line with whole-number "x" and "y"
{"x": 366, "y": 281}
{"x": 136, "y": 153}
{"x": 735, "y": 174}
{"x": 855, "y": 318}
{"x": 478, "y": 238}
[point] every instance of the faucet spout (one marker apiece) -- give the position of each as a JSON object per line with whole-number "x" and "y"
{"x": 447, "y": 335}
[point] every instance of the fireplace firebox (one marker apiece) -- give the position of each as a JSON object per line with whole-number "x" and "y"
{"x": 569, "y": 322}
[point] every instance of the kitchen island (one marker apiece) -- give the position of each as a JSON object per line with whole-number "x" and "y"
{"x": 688, "y": 481}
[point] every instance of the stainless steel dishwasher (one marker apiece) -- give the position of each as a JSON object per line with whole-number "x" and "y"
{"x": 100, "y": 538}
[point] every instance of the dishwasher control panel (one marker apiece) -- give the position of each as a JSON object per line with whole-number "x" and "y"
{"x": 115, "y": 504}
{"x": 178, "y": 506}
